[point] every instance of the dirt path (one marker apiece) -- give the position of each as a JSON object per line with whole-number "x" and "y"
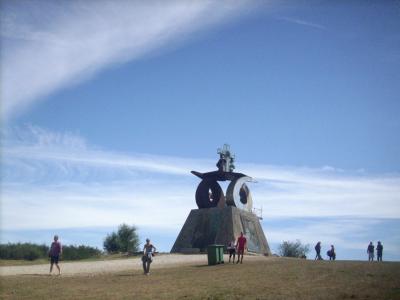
{"x": 110, "y": 266}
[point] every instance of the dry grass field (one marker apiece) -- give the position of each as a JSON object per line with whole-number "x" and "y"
{"x": 276, "y": 278}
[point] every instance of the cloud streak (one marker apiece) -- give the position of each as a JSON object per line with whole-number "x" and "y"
{"x": 48, "y": 45}
{"x": 302, "y": 23}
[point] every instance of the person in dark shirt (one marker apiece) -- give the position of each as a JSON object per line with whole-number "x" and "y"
{"x": 379, "y": 251}
{"x": 54, "y": 254}
{"x": 318, "y": 251}
{"x": 370, "y": 251}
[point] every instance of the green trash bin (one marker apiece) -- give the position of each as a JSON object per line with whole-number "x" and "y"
{"x": 221, "y": 253}
{"x": 215, "y": 254}
{"x": 212, "y": 254}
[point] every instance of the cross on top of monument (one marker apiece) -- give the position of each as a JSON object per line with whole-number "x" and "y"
{"x": 226, "y": 159}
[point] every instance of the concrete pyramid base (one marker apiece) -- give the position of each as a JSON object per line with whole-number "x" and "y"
{"x": 215, "y": 225}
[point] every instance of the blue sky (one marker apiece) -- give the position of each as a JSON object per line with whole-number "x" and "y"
{"x": 107, "y": 106}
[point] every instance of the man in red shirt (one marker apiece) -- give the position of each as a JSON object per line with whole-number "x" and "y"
{"x": 240, "y": 244}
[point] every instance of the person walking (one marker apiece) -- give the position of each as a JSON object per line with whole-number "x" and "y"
{"x": 318, "y": 251}
{"x": 232, "y": 251}
{"x": 370, "y": 251}
{"x": 147, "y": 258}
{"x": 379, "y": 251}
{"x": 54, "y": 254}
{"x": 240, "y": 245}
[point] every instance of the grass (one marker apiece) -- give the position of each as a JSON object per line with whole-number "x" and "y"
{"x": 22, "y": 262}
{"x": 41, "y": 261}
{"x": 269, "y": 279}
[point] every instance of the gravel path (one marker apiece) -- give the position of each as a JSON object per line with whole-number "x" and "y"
{"x": 110, "y": 266}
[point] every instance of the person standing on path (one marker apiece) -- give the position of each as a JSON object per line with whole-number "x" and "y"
{"x": 240, "y": 245}
{"x": 232, "y": 251}
{"x": 370, "y": 251}
{"x": 318, "y": 251}
{"x": 379, "y": 251}
{"x": 54, "y": 254}
{"x": 147, "y": 258}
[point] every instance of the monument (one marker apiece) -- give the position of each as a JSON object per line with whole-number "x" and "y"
{"x": 218, "y": 220}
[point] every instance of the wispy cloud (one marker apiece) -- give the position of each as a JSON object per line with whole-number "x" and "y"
{"x": 43, "y": 170}
{"x": 67, "y": 151}
{"x": 302, "y": 22}
{"x": 319, "y": 192}
{"x": 47, "y": 45}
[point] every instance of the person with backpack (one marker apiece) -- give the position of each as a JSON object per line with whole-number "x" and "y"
{"x": 147, "y": 258}
{"x": 54, "y": 254}
{"x": 331, "y": 253}
{"x": 370, "y": 251}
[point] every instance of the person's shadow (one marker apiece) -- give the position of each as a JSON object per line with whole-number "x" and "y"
{"x": 38, "y": 275}
{"x": 128, "y": 274}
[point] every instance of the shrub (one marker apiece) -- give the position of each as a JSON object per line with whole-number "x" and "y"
{"x": 32, "y": 254}
{"x": 79, "y": 252}
{"x": 293, "y": 249}
{"x": 26, "y": 251}
{"x": 30, "y": 251}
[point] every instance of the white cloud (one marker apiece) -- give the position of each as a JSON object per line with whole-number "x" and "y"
{"x": 47, "y": 177}
{"x": 50, "y": 45}
{"x": 68, "y": 205}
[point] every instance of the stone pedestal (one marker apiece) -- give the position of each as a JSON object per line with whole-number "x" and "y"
{"x": 216, "y": 225}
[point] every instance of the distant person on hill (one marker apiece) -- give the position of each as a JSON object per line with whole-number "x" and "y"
{"x": 147, "y": 258}
{"x": 370, "y": 251}
{"x": 54, "y": 254}
{"x": 331, "y": 253}
{"x": 318, "y": 251}
{"x": 232, "y": 251}
{"x": 379, "y": 251}
{"x": 240, "y": 245}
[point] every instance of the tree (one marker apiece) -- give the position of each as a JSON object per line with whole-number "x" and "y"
{"x": 111, "y": 243}
{"x": 128, "y": 238}
{"x": 293, "y": 249}
{"x": 124, "y": 240}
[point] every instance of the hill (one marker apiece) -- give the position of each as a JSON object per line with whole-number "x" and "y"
{"x": 260, "y": 278}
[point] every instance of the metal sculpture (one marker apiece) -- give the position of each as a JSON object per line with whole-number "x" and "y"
{"x": 210, "y": 194}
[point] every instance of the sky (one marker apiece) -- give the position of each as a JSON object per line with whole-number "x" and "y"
{"x": 106, "y": 107}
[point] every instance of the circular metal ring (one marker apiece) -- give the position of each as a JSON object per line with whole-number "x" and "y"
{"x": 238, "y": 191}
{"x": 208, "y": 194}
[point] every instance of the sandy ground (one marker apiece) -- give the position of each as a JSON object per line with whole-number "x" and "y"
{"x": 117, "y": 265}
